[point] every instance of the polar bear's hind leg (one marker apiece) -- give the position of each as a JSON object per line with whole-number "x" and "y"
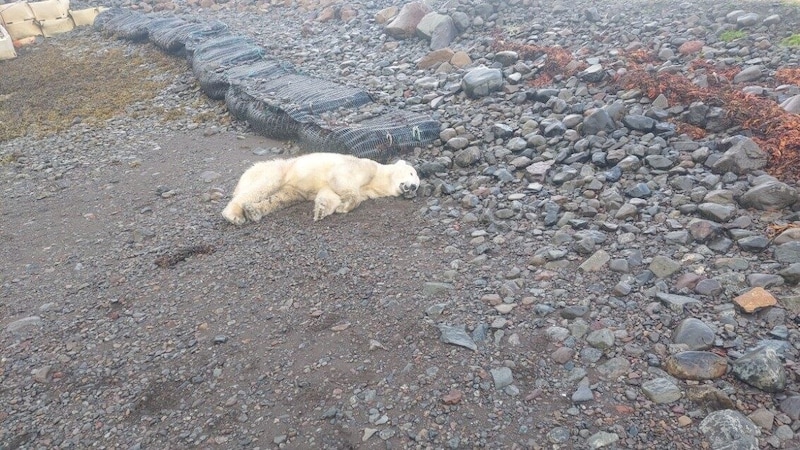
{"x": 279, "y": 200}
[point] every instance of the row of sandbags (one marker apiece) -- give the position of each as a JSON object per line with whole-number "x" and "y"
{"x": 275, "y": 98}
{"x": 23, "y": 21}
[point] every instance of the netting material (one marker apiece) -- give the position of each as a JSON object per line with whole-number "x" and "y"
{"x": 173, "y": 39}
{"x": 271, "y": 96}
{"x": 278, "y": 107}
{"x": 380, "y": 138}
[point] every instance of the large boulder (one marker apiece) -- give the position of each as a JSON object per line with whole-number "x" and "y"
{"x": 744, "y": 156}
{"x": 404, "y": 25}
{"x": 481, "y": 81}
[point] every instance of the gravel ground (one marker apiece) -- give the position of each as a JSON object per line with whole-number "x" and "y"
{"x": 544, "y": 289}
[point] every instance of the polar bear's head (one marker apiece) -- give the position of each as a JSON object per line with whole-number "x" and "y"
{"x": 404, "y": 178}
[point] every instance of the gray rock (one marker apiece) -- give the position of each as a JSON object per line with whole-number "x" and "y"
{"x": 583, "y": 394}
{"x": 602, "y": 339}
{"x": 694, "y": 333}
{"x": 791, "y": 407}
{"x": 663, "y": 267}
{"x": 599, "y": 120}
{"x": 613, "y": 368}
{"x": 430, "y": 21}
{"x": 558, "y": 435}
{"x": 791, "y": 274}
{"x": 659, "y": 162}
{"x": 481, "y": 81}
{"x": 467, "y": 157}
{"x": 456, "y": 335}
{"x": 733, "y": 15}
{"x": 703, "y": 230}
{"x": 676, "y": 302}
{"x": 434, "y": 288}
{"x": 443, "y": 35}
{"x": 502, "y": 377}
{"x": 639, "y": 122}
{"x": 749, "y": 74}
{"x": 21, "y": 324}
{"x": 792, "y": 104}
{"x": 747, "y": 20}
{"x": 593, "y": 73}
{"x": 661, "y": 390}
{"x": 602, "y": 439}
{"x": 771, "y": 195}
{"x": 761, "y": 368}
{"x": 753, "y": 243}
{"x": 717, "y": 212}
{"x": 771, "y": 20}
{"x": 730, "y": 430}
{"x": 788, "y": 253}
{"x": 506, "y": 58}
{"x": 743, "y": 157}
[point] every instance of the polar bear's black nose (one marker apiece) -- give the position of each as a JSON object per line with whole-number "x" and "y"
{"x": 408, "y": 187}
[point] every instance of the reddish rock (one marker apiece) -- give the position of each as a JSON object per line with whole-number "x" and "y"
{"x": 453, "y": 397}
{"x": 386, "y": 14}
{"x": 690, "y": 47}
{"x": 347, "y": 13}
{"x": 460, "y": 59}
{"x": 755, "y": 299}
{"x": 696, "y": 365}
{"x": 405, "y": 24}
{"x": 326, "y": 14}
{"x": 435, "y": 57}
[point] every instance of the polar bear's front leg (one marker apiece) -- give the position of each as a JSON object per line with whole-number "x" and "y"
{"x": 325, "y": 204}
{"x": 234, "y": 213}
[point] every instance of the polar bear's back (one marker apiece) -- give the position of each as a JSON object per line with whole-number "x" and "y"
{"x": 312, "y": 172}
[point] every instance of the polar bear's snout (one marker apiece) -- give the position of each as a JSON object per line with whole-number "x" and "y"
{"x": 408, "y": 187}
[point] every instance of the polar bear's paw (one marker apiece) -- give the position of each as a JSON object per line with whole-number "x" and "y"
{"x": 233, "y": 213}
{"x": 252, "y": 212}
{"x": 325, "y": 204}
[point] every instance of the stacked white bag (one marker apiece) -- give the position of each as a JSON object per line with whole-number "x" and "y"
{"x": 25, "y": 20}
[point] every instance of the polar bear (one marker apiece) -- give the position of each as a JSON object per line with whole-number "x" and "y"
{"x": 335, "y": 182}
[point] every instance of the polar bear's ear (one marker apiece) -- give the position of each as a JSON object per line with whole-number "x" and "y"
{"x": 402, "y": 162}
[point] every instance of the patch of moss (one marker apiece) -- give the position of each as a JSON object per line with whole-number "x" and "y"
{"x": 56, "y": 82}
{"x": 731, "y": 35}
{"x": 791, "y": 41}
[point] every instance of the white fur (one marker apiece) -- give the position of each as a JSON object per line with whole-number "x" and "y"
{"x": 335, "y": 182}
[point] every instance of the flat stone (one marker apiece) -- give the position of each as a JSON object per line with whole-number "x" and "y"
{"x": 663, "y": 267}
{"x": 676, "y": 302}
{"x": 754, "y": 300}
{"x": 433, "y": 288}
{"x": 595, "y": 262}
{"x": 661, "y": 390}
{"x": 696, "y": 365}
{"x": 21, "y": 324}
{"x": 613, "y": 368}
{"x": 456, "y": 335}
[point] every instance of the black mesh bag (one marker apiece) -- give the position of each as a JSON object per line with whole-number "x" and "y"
{"x": 379, "y": 138}
{"x": 173, "y": 39}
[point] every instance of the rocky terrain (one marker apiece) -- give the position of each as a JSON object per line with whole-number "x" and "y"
{"x": 592, "y": 261}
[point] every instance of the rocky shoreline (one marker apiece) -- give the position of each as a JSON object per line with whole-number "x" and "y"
{"x": 588, "y": 266}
